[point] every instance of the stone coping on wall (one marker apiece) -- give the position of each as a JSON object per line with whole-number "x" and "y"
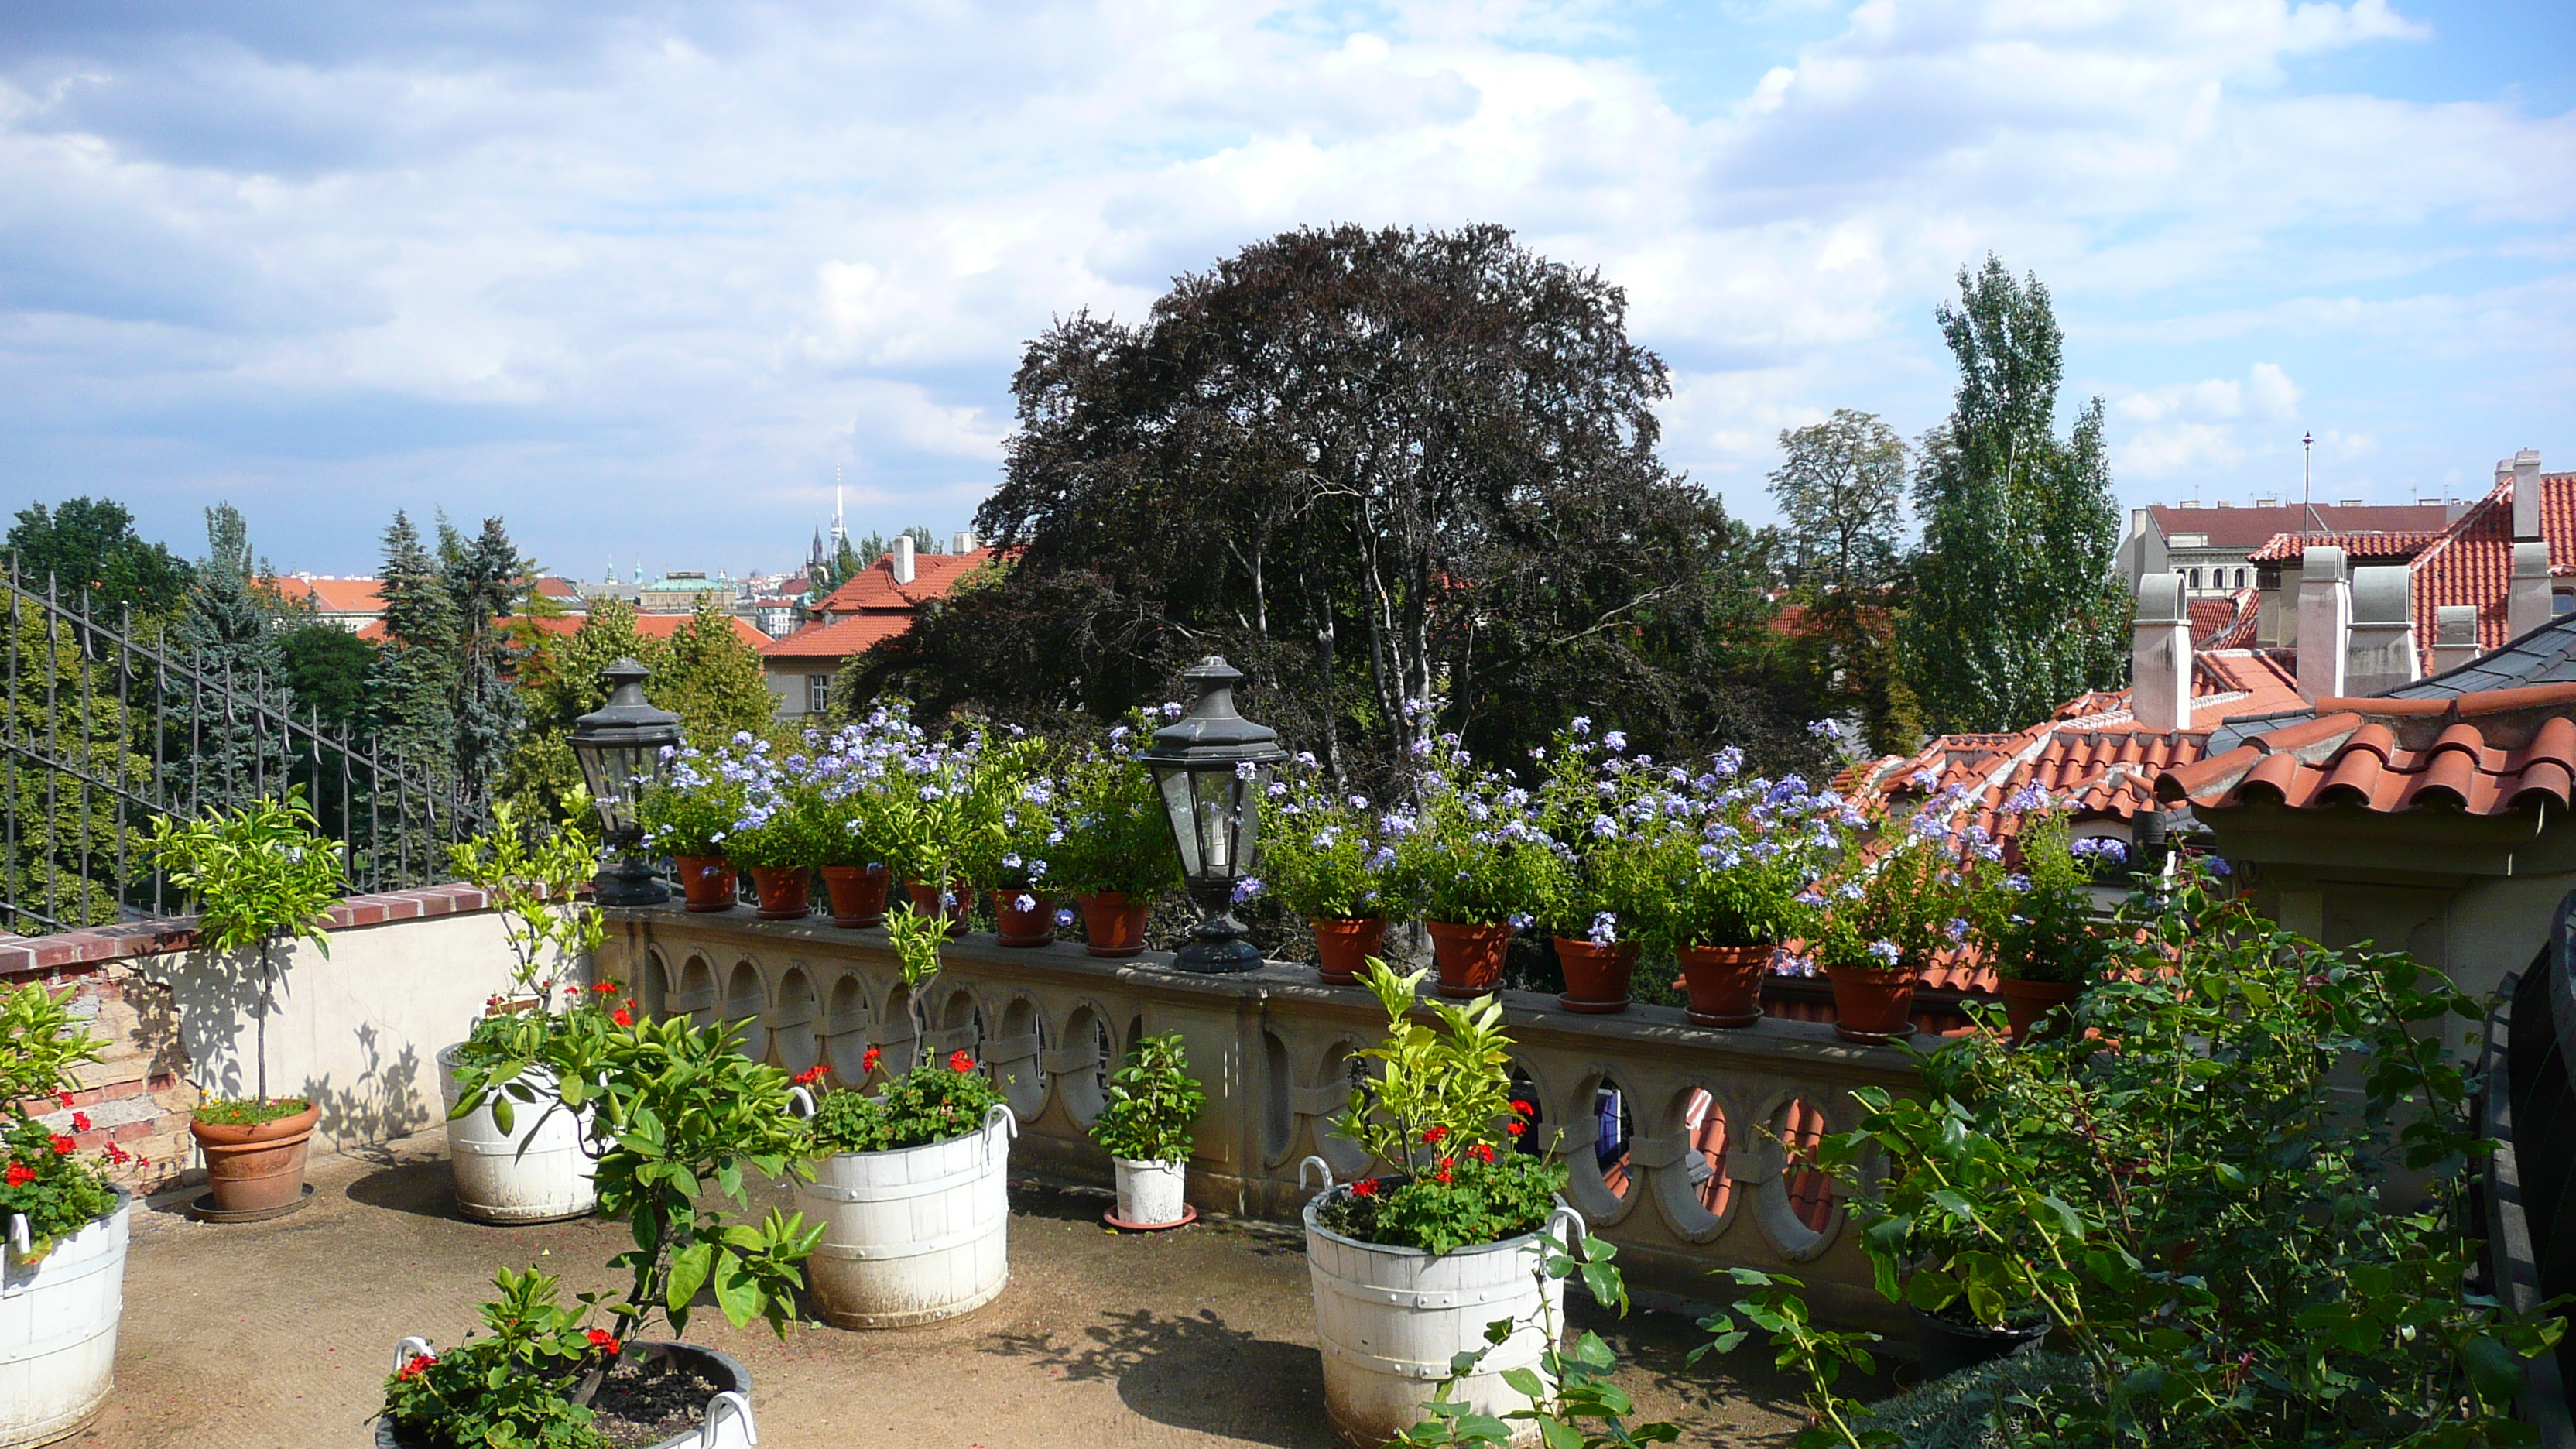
{"x": 93, "y": 946}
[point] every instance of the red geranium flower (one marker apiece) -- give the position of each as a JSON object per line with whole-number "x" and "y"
{"x": 1433, "y": 1135}
{"x": 602, "y": 1338}
{"x": 604, "y": 988}
{"x": 80, "y": 1121}
{"x": 621, "y": 1017}
{"x": 118, "y": 1155}
{"x": 63, "y": 1145}
{"x": 1524, "y": 1108}
{"x": 63, "y": 1097}
{"x": 1365, "y": 1187}
{"x": 20, "y": 1174}
{"x": 419, "y": 1365}
{"x": 960, "y": 1062}
{"x": 1481, "y": 1152}
{"x": 868, "y": 1061}
{"x": 1516, "y": 1128}
{"x": 1444, "y": 1174}
{"x": 810, "y": 1075}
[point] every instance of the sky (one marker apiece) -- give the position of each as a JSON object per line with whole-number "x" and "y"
{"x": 642, "y": 278}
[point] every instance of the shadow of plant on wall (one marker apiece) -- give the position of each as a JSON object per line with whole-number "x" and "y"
{"x": 383, "y": 1103}
{"x": 217, "y": 996}
{"x": 1194, "y": 1372}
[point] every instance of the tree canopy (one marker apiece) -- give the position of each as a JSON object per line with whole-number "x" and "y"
{"x": 88, "y": 547}
{"x": 1371, "y": 467}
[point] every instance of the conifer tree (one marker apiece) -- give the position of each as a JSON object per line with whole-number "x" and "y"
{"x": 485, "y": 578}
{"x": 2015, "y": 607}
{"x": 414, "y": 679}
{"x": 227, "y": 633}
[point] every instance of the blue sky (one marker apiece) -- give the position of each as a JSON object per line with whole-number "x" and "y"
{"x": 638, "y": 277}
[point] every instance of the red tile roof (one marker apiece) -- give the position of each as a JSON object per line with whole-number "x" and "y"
{"x": 2480, "y": 754}
{"x": 651, "y": 626}
{"x": 2225, "y": 623}
{"x": 2472, "y": 563}
{"x": 2396, "y": 546}
{"x": 2251, "y": 527}
{"x": 873, "y": 588}
{"x": 333, "y": 596}
{"x": 837, "y": 639}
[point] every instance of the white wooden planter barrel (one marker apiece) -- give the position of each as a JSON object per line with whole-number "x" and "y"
{"x": 1149, "y": 1193}
{"x": 1390, "y": 1320}
{"x": 726, "y": 1424}
{"x": 912, "y": 1235}
{"x": 58, "y": 1328}
{"x": 535, "y": 1174}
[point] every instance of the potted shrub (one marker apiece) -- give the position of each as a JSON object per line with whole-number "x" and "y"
{"x": 1145, "y": 1128}
{"x": 1326, "y": 863}
{"x": 1117, "y": 856}
{"x": 1452, "y": 1238}
{"x": 928, "y": 819}
{"x": 1471, "y": 861}
{"x": 1886, "y": 919}
{"x": 2035, "y": 917}
{"x": 1012, "y": 831}
{"x": 1606, "y": 812}
{"x": 689, "y": 1119}
{"x": 689, "y": 816}
{"x": 782, "y": 835}
{"x": 856, "y": 773}
{"x": 911, "y": 1184}
{"x": 1734, "y": 880}
{"x": 64, "y": 1259}
{"x": 259, "y": 875}
{"x": 520, "y": 1156}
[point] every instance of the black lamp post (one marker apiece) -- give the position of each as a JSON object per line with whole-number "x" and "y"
{"x": 620, "y": 747}
{"x": 1209, "y": 765}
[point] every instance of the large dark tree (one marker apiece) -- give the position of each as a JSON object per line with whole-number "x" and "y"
{"x": 486, "y": 581}
{"x": 1370, "y": 467}
{"x": 2015, "y": 608}
{"x": 87, "y": 549}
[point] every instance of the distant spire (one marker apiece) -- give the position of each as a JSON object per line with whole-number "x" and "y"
{"x": 840, "y": 535}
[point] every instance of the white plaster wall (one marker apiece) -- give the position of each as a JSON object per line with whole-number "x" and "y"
{"x": 356, "y": 1031}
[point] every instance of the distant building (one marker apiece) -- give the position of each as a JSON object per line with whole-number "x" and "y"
{"x": 682, "y": 592}
{"x": 352, "y": 604}
{"x": 2212, "y": 548}
{"x": 878, "y": 603}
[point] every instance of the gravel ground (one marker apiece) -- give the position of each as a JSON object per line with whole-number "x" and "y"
{"x": 279, "y": 1333}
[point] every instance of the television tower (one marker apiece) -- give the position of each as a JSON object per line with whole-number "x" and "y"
{"x": 840, "y": 535}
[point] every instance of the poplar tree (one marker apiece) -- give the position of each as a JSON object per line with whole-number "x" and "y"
{"x": 2015, "y": 607}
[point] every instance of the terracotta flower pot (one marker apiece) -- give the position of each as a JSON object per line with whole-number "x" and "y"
{"x": 706, "y": 882}
{"x": 1114, "y": 923}
{"x": 2025, "y": 1002}
{"x": 1872, "y": 1006}
{"x": 1015, "y": 927}
{"x": 1596, "y": 977}
{"x": 255, "y": 1166}
{"x": 1470, "y": 958}
{"x": 1343, "y": 946}
{"x": 785, "y": 891}
{"x": 857, "y": 893}
{"x": 1724, "y": 982}
{"x": 925, "y": 902}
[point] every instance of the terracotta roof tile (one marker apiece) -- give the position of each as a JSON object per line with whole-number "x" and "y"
{"x": 2251, "y": 527}
{"x": 2387, "y": 546}
{"x": 873, "y": 588}
{"x": 2483, "y": 754}
{"x": 2472, "y": 562}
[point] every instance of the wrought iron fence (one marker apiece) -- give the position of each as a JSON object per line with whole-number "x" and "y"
{"x": 105, "y": 724}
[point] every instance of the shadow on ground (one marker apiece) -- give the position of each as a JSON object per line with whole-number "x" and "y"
{"x": 1192, "y": 1371}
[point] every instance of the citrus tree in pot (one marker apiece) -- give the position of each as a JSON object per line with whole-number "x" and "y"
{"x": 1410, "y": 1267}
{"x": 261, "y": 876}
{"x": 1145, "y": 1128}
{"x": 64, "y": 1257}
{"x": 1328, "y": 862}
{"x": 690, "y": 1120}
{"x": 912, "y": 1183}
{"x": 1117, "y": 855}
{"x": 519, "y": 1156}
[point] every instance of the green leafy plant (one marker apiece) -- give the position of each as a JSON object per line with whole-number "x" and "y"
{"x": 1441, "y": 1114}
{"x": 1736, "y": 861}
{"x": 1818, "y": 1355}
{"x": 2037, "y": 921}
{"x": 1572, "y": 1402}
{"x": 260, "y": 875}
{"x": 515, "y": 1385}
{"x": 782, "y": 824}
{"x": 694, "y": 810}
{"x": 1117, "y": 839}
{"x": 1010, "y": 829}
{"x": 536, "y": 883}
{"x": 58, "y": 1191}
{"x": 1152, "y": 1102}
{"x": 932, "y": 1102}
{"x": 1605, "y": 811}
{"x": 1904, "y": 898}
{"x": 1321, "y": 852}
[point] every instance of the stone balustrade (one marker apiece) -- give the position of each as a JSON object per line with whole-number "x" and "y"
{"x": 1685, "y": 1143}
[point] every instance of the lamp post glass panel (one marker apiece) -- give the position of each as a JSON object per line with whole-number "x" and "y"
{"x": 1209, "y": 765}
{"x": 620, "y": 747}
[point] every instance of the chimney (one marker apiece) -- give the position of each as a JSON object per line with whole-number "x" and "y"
{"x": 2455, "y": 636}
{"x": 2160, "y": 655}
{"x": 902, "y": 556}
{"x": 963, "y": 542}
{"x": 2527, "y": 606}
{"x": 2381, "y": 653}
{"x": 2325, "y": 622}
{"x": 2274, "y": 626}
{"x": 2526, "y": 495}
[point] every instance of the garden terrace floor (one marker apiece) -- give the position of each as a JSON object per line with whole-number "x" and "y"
{"x": 280, "y": 1333}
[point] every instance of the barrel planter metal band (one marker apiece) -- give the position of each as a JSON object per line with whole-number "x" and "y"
{"x": 58, "y": 1322}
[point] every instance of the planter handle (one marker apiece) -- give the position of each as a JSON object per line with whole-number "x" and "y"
{"x": 410, "y": 1347}
{"x": 19, "y": 1236}
{"x": 1315, "y": 1162}
{"x": 1582, "y": 1229}
{"x": 1001, "y": 1111}
{"x": 796, "y": 1095}
{"x": 722, "y": 1405}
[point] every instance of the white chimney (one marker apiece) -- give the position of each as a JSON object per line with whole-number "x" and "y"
{"x": 2325, "y": 622}
{"x": 2526, "y": 494}
{"x": 2160, "y": 655}
{"x": 963, "y": 541}
{"x": 2381, "y": 654}
{"x": 2455, "y": 636}
{"x": 2527, "y": 605}
{"x": 902, "y": 558}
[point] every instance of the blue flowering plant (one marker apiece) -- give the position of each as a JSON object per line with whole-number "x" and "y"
{"x": 1736, "y": 861}
{"x": 1326, "y": 857}
{"x": 859, "y": 784}
{"x": 1608, "y": 814}
{"x": 928, "y": 807}
{"x": 1473, "y": 853}
{"x": 779, "y": 821}
{"x": 1905, "y": 896}
{"x": 1117, "y": 839}
{"x": 2034, "y": 915}
{"x": 1012, "y": 825}
{"x": 693, "y": 811}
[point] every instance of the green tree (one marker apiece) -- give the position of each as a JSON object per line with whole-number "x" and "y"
{"x": 712, "y": 679}
{"x": 414, "y": 680}
{"x": 327, "y": 669}
{"x": 63, "y": 872}
{"x": 227, "y": 633}
{"x": 88, "y": 548}
{"x": 2014, "y": 606}
{"x": 1841, "y": 487}
{"x": 486, "y": 580}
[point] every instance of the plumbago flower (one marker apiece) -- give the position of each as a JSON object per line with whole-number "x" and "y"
{"x": 1117, "y": 840}
{"x": 1464, "y": 857}
{"x": 1011, "y": 825}
{"x": 1328, "y": 852}
{"x": 1896, "y": 902}
{"x": 1602, "y": 813}
{"x": 693, "y": 812}
{"x": 2036, "y": 922}
{"x": 779, "y": 816}
{"x": 860, "y": 786}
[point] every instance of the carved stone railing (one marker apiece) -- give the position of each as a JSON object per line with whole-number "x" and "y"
{"x": 1704, "y": 1128}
